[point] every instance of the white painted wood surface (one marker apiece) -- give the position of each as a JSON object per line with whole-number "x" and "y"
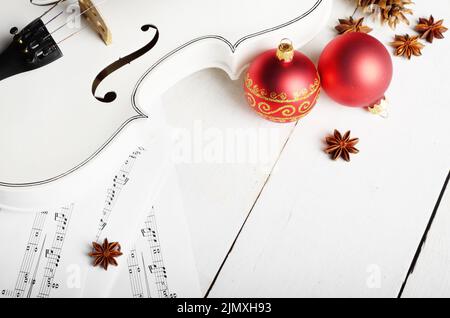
{"x": 217, "y": 195}
{"x": 321, "y": 228}
{"x": 431, "y": 274}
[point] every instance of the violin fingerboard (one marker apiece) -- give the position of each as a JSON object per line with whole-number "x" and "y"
{"x": 95, "y": 20}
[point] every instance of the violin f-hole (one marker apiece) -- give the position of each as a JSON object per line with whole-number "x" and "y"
{"x": 121, "y": 62}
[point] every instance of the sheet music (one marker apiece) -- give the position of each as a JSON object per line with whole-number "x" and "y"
{"x": 160, "y": 263}
{"x": 119, "y": 181}
{"x": 45, "y": 251}
{"x": 33, "y": 263}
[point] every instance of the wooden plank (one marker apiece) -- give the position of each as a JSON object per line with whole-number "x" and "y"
{"x": 429, "y": 275}
{"x": 209, "y": 113}
{"x": 324, "y": 228}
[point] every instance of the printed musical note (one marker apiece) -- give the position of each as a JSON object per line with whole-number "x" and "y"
{"x": 32, "y": 247}
{"x": 53, "y": 254}
{"x": 151, "y": 249}
{"x": 119, "y": 181}
{"x": 157, "y": 267}
{"x": 53, "y": 244}
{"x": 134, "y": 271}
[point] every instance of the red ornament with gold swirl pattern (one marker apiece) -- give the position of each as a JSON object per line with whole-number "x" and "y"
{"x": 282, "y": 85}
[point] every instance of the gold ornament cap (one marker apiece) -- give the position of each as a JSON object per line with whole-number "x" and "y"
{"x": 285, "y": 51}
{"x": 381, "y": 108}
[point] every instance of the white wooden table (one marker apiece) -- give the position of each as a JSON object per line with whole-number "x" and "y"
{"x": 285, "y": 220}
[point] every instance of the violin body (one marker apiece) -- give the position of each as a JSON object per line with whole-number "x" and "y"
{"x": 56, "y": 119}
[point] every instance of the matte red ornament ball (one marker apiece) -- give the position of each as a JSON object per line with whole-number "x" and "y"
{"x": 355, "y": 70}
{"x": 282, "y": 85}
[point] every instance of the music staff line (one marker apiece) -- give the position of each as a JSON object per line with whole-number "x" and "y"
{"x": 157, "y": 267}
{"x": 119, "y": 181}
{"x": 54, "y": 254}
{"x": 32, "y": 247}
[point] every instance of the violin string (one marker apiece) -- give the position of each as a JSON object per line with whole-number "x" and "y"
{"x": 74, "y": 18}
{"x": 54, "y": 18}
{"x": 71, "y": 35}
{"x": 51, "y": 8}
{"x": 78, "y": 31}
{"x": 59, "y": 14}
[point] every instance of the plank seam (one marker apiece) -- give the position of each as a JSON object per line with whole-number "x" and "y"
{"x": 424, "y": 237}
{"x": 249, "y": 213}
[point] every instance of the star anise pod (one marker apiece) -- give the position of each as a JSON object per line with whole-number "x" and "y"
{"x": 341, "y": 146}
{"x": 406, "y": 45}
{"x": 389, "y": 11}
{"x": 351, "y": 25}
{"x": 105, "y": 253}
{"x": 429, "y": 29}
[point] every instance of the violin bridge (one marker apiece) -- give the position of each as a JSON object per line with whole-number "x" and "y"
{"x": 95, "y": 20}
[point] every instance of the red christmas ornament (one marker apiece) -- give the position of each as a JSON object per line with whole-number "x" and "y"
{"x": 356, "y": 70}
{"x": 282, "y": 85}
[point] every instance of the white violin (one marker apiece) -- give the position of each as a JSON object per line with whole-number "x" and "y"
{"x": 65, "y": 95}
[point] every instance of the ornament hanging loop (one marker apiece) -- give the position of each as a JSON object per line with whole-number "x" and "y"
{"x": 285, "y": 51}
{"x": 380, "y": 109}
